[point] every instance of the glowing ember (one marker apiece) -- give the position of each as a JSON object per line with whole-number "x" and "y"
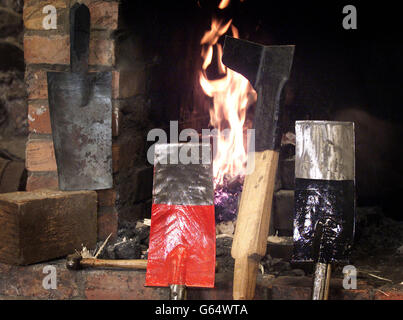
{"x": 226, "y": 199}
{"x": 232, "y": 95}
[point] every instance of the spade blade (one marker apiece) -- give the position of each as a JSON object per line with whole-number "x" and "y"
{"x": 324, "y": 192}
{"x": 182, "y": 235}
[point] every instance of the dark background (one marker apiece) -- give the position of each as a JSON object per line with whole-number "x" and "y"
{"x": 338, "y": 74}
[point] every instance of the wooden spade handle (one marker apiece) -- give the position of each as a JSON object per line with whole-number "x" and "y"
{"x": 125, "y": 264}
{"x": 252, "y": 227}
{"x": 245, "y": 273}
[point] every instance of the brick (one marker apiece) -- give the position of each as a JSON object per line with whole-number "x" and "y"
{"x": 97, "y": 284}
{"x": 49, "y": 49}
{"x": 104, "y": 15}
{"x": 223, "y": 289}
{"x": 388, "y": 294}
{"x": 37, "y": 84}
{"x": 128, "y": 83}
{"x": 40, "y": 155}
{"x": 43, "y": 225}
{"x": 300, "y": 288}
{"x": 361, "y": 294}
{"x": 106, "y": 198}
{"x": 122, "y": 156}
{"x": 33, "y": 13}
{"x": 283, "y": 210}
{"x": 135, "y": 212}
{"x": 39, "y": 118}
{"x": 292, "y": 288}
{"x": 287, "y": 173}
{"x": 126, "y": 152}
{"x": 107, "y": 223}
{"x": 137, "y": 186}
{"x": 115, "y": 285}
{"x": 27, "y": 282}
{"x": 37, "y": 181}
{"x": 102, "y": 52}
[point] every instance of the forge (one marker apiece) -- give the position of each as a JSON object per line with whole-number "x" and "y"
{"x": 155, "y": 65}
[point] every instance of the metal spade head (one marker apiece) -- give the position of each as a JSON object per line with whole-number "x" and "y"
{"x": 324, "y": 192}
{"x": 80, "y": 106}
{"x": 267, "y": 68}
{"x": 182, "y": 235}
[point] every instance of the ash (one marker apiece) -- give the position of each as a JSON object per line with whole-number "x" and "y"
{"x": 131, "y": 243}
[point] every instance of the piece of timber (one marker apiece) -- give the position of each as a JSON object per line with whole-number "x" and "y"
{"x": 250, "y": 239}
{"x": 124, "y": 264}
{"x": 43, "y": 225}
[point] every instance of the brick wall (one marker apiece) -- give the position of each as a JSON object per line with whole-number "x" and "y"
{"x": 49, "y": 50}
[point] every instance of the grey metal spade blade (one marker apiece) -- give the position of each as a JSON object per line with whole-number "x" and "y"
{"x": 80, "y": 105}
{"x": 82, "y": 135}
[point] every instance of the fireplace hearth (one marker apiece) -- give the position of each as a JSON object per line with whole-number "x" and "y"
{"x": 165, "y": 61}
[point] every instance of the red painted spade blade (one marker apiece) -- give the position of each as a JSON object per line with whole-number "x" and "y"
{"x": 182, "y": 236}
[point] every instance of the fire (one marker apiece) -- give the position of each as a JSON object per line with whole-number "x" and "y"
{"x": 232, "y": 95}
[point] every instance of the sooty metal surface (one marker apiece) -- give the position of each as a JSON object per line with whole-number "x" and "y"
{"x": 324, "y": 191}
{"x": 81, "y": 117}
{"x": 183, "y": 184}
{"x": 324, "y": 220}
{"x": 81, "y": 114}
{"x": 325, "y": 150}
{"x": 268, "y": 69}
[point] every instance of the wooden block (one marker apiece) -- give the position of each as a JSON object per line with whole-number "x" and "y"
{"x": 43, "y": 225}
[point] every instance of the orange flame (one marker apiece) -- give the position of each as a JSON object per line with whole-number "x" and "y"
{"x": 232, "y": 95}
{"x": 223, "y": 4}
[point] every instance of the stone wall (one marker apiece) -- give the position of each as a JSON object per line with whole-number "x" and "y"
{"x": 13, "y": 114}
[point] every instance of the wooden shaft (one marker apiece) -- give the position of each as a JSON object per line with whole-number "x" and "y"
{"x": 327, "y": 284}
{"x": 252, "y": 227}
{"x": 245, "y": 272}
{"x": 125, "y": 264}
